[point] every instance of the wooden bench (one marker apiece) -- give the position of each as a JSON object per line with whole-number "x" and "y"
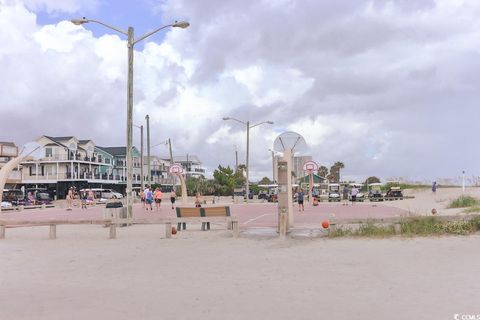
{"x": 209, "y": 213}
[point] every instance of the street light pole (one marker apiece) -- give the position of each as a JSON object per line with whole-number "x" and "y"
{"x": 142, "y": 180}
{"x": 247, "y": 188}
{"x": 247, "y": 124}
{"x": 130, "y": 44}
{"x": 149, "y": 172}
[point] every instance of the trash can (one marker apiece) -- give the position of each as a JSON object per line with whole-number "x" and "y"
{"x": 115, "y": 210}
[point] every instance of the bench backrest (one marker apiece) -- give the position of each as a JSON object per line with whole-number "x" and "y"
{"x": 203, "y": 212}
{"x": 189, "y": 212}
{"x": 216, "y": 211}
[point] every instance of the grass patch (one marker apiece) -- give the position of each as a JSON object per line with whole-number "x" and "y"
{"x": 463, "y": 202}
{"x": 371, "y": 230}
{"x": 474, "y": 209}
{"x": 432, "y": 226}
{"x": 421, "y": 226}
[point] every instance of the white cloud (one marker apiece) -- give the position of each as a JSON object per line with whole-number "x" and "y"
{"x": 387, "y": 87}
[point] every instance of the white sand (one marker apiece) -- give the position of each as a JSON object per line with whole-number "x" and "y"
{"x": 425, "y": 200}
{"x": 209, "y": 275}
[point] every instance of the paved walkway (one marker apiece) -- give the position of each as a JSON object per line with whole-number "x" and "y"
{"x": 250, "y": 215}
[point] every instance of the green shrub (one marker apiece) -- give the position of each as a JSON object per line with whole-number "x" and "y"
{"x": 371, "y": 230}
{"x": 463, "y": 202}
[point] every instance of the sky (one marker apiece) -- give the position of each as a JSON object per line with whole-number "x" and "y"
{"x": 389, "y": 88}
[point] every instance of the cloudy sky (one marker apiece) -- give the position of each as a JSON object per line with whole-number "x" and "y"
{"x": 390, "y": 88}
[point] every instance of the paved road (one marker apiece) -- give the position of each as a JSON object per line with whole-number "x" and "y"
{"x": 251, "y": 215}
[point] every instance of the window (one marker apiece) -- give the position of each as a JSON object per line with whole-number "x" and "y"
{"x": 48, "y": 152}
{"x": 107, "y": 160}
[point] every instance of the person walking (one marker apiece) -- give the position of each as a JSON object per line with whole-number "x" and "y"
{"x": 83, "y": 195}
{"x": 148, "y": 199}
{"x": 300, "y": 197}
{"x": 198, "y": 200}
{"x": 345, "y": 193}
{"x": 69, "y": 199}
{"x": 173, "y": 196}
{"x": 142, "y": 197}
{"x": 354, "y": 193}
{"x": 434, "y": 187}
{"x": 158, "y": 195}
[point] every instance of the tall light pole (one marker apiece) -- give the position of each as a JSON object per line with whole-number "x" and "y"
{"x": 142, "y": 181}
{"x": 130, "y": 43}
{"x": 247, "y": 124}
{"x": 149, "y": 161}
{"x": 274, "y": 175}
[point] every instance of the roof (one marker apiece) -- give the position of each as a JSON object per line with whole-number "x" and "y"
{"x": 84, "y": 141}
{"x": 10, "y": 144}
{"x": 60, "y": 138}
{"x": 190, "y": 159}
{"x": 114, "y": 151}
{"x": 316, "y": 178}
{"x": 57, "y": 140}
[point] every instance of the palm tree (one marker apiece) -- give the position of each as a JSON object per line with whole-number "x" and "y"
{"x": 338, "y": 166}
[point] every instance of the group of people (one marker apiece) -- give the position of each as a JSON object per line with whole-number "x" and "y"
{"x": 86, "y": 196}
{"x": 148, "y": 196}
{"x": 353, "y": 194}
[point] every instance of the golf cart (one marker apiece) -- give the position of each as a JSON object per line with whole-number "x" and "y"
{"x": 394, "y": 193}
{"x": 375, "y": 193}
{"x": 334, "y": 192}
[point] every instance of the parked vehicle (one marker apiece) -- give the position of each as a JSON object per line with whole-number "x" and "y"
{"x": 394, "y": 193}
{"x": 13, "y": 196}
{"x": 375, "y": 192}
{"x": 43, "y": 198}
{"x": 106, "y": 194}
{"x": 334, "y": 192}
{"x": 5, "y": 204}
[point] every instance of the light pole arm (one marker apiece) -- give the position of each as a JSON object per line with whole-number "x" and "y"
{"x": 235, "y": 119}
{"x": 108, "y": 26}
{"x": 255, "y": 125}
{"x": 146, "y": 35}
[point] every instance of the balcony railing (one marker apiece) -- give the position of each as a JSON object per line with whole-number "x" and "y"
{"x": 65, "y": 157}
{"x": 53, "y": 177}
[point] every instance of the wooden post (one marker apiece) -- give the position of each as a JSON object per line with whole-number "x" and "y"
{"x": 235, "y": 227}
{"x": 2, "y": 231}
{"x": 43, "y": 206}
{"x": 113, "y": 230}
{"x": 53, "y": 232}
{"x": 398, "y": 228}
{"x": 168, "y": 230}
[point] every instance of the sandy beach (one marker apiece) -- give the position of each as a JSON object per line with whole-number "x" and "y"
{"x": 210, "y": 275}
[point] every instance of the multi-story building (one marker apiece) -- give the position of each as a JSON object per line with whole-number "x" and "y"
{"x": 8, "y": 151}
{"x": 192, "y": 166}
{"x": 159, "y": 170}
{"x": 68, "y": 161}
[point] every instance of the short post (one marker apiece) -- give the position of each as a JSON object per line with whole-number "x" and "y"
{"x": 332, "y": 227}
{"x": 283, "y": 224}
{"x": 53, "y": 232}
{"x": 20, "y": 208}
{"x": 168, "y": 229}
{"x": 2, "y": 231}
{"x": 43, "y": 206}
{"x": 113, "y": 230}
{"x": 235, "y": 227}
{"x": 398, "y": 228}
